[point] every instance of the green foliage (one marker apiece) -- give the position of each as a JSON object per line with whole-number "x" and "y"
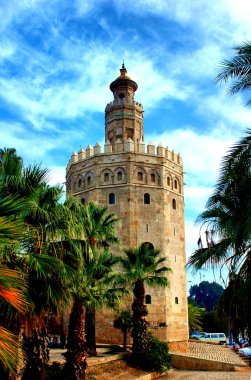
{"x": 123, "y": 321}
{"x": 206, "y": 294}
{"x": 194, "y": 317}
{"x": 156, "y": 357}
{"x": 238, "y": 70}
{"x": 227, "y": 219}
{"x": 214, "y": 322}
{"x": 30, "y": 230}
{"x": 142, "y": 265}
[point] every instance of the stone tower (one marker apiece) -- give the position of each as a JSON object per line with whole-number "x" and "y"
{"x": 144, "y": 187}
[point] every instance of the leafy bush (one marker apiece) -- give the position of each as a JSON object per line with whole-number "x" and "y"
{"x": 156, "y": 357}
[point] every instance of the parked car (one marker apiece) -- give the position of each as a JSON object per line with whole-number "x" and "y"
{"x": 214, "y": 337}
{"x": 246, "y": 351}
{"x": 197, "y": 335}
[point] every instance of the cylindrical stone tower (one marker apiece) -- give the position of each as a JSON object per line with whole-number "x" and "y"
{"x": 144, "y": 187}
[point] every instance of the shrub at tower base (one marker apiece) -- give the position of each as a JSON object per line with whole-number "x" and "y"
{"x": 155, "y": 358}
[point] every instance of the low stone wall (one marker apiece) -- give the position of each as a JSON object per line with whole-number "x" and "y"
{"x": 191, "y": 363}
{"x": 181, "y": 346}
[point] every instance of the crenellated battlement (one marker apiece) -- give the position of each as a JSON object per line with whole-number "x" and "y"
{"x": 123, "y": 102}
{"x": 128, "y": 147}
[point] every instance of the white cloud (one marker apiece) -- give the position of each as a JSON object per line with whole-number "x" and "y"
{"x": 201, "y": 153}
{"x": 196, "y": 198}
{"x": 57, "y": 175}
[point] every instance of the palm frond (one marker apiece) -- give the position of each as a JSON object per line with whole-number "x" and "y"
{"x": 10, "y": 350}
{"x": 210, "y": 257}
{"x": 13, "y": 288}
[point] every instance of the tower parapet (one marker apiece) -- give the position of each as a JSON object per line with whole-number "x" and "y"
{"x": 122, "y": 102}
{"x": 128, "y": 147}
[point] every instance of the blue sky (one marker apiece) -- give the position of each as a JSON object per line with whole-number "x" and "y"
{"x": 58, "y": 58}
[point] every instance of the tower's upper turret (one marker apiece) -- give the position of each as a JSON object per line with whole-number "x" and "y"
{"x": 123, "y": 87}
{"x": 124, "y": 116}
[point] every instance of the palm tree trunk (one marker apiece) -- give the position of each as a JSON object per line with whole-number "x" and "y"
{"x": 90, "y": 330}
{"x": 76, "y": 364}
{"x": 124, "y": 338}
{"x": 139, "y": 330}
{"x": 36, "y": 349}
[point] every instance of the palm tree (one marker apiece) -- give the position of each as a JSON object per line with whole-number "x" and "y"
{"x": 142, "y": 265}
{"x": 99, "y": 231}
{"x": 228, "y": 214}
{"x": 99, "y": 278}
{"x": 238, "y": 69}
{"x": 123, "y": 321}
{"x": 40, "y": 254}
{"x": 100, "y": 228}
{"x": 12, "y": 285}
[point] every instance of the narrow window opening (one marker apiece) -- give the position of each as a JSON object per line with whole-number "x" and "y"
{"x": 119, "y": 176}
{"x": 175, "y": 184}
{"x": 140, "y": 176}
{"x": 174, "y": 204}
{"x": 79, "y": 182}
{"x": 88, "y": 180}
{"x": 147, "y": 228}
{"x": 168, "y": 181}
{"x": 83, "y": 201}
{"x": 146, "y": 198}
{"x": 176, "y": 300}
{"x": 152, "y": 177}
{"x": 111, "y": 198}
{"x": 148, "y": 299}
{"x": 106, "y": 177}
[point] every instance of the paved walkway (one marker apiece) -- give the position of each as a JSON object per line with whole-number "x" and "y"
{"x": 208, "y": 375}
{"x": 213, "y": 352}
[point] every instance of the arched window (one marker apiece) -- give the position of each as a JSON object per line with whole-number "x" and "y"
{"x": 146, "y": 198}
{"x": 176, "y": 300}
{"x": 174, "y": 204}
{"x": 79, "y": 182}
{"x": 111, "y": 198}
{"x": 140, "y": 176}
{"x": 83, "y": 201}
{"x": 119, "y": 176}
{"x": 149, "y": 245}
{"x": 89, "y": 180}
{"x": 106, "y": 177}
{"x": 148, "y": 299}
{"x": 175, "y": 184}
{"x": 152, "y": 177}
{"x": 168, "y": 181}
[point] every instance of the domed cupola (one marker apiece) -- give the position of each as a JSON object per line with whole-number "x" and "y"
{"x": 123, "y": 116}
{"x": 123, "y": 87}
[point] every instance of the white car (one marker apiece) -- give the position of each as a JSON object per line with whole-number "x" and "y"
{"x": 246, "y": 351}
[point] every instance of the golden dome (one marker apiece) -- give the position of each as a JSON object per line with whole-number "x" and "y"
{"x": 123, "y": 79}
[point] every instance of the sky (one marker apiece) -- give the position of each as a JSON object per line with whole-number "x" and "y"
{"x": 58, "y": 58}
